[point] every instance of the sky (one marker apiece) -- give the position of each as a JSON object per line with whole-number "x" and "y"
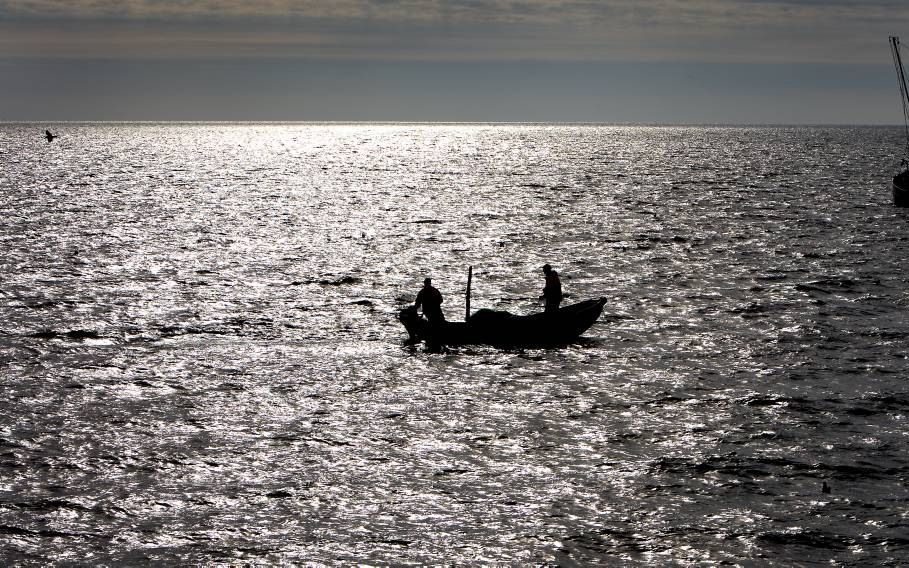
{"x": 610, "y": 61}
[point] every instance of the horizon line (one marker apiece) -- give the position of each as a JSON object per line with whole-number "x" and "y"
{"x": 471, "y": 122}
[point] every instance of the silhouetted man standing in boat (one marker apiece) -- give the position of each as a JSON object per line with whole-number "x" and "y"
{"x": 431, "y": 300}
{"x": 552, "y": 292}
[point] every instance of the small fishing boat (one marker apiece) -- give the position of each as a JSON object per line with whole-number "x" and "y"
{"x": 901, "y": 180}
{"x": 503, "y": 329}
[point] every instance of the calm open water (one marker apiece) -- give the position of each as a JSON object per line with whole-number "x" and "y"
{"x": 200, "y": 361}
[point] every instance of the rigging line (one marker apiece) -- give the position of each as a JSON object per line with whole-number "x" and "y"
{"x": 904, "y": 90}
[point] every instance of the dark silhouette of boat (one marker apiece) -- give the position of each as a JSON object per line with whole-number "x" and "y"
{"x": 901, "y": 189}
{"x": 901, "y": 180}
{"x": 503, "y": 329}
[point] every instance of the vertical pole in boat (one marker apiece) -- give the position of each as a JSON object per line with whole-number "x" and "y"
{"x": 469, "y": 278}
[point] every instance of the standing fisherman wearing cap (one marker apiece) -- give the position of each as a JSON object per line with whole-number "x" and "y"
{"x": 431, "y": 300}
{"x": 552, "y": 292}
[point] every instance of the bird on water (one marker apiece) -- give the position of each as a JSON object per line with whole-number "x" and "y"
{"x": 50, "y": 137}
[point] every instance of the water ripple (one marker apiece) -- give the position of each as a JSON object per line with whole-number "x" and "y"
{"x": 202, "y": 362}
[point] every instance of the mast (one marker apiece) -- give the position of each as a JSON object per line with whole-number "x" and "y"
{"x": 904, "y": 90}
{"x": 469, "y": 278}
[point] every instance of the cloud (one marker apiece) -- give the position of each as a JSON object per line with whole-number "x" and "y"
{"x": 718, "y": 30}
{"x": 660, "y": 12}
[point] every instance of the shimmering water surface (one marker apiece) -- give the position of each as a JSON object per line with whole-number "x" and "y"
{"x": 201, "y": 362}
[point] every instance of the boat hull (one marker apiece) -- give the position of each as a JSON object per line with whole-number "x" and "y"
{"x": 901, "y": 189}
{"x": 485, "y": 327}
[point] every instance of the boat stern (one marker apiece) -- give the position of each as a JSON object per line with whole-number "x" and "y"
{"x": 413, "y": 323}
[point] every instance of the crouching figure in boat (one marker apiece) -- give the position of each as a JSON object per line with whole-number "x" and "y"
{"x": 431, "y": 300}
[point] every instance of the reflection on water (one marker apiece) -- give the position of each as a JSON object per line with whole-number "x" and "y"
{"x": 202, "y": 362}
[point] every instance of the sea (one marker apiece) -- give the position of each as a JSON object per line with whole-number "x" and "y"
{"x": 201, "y": 362}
